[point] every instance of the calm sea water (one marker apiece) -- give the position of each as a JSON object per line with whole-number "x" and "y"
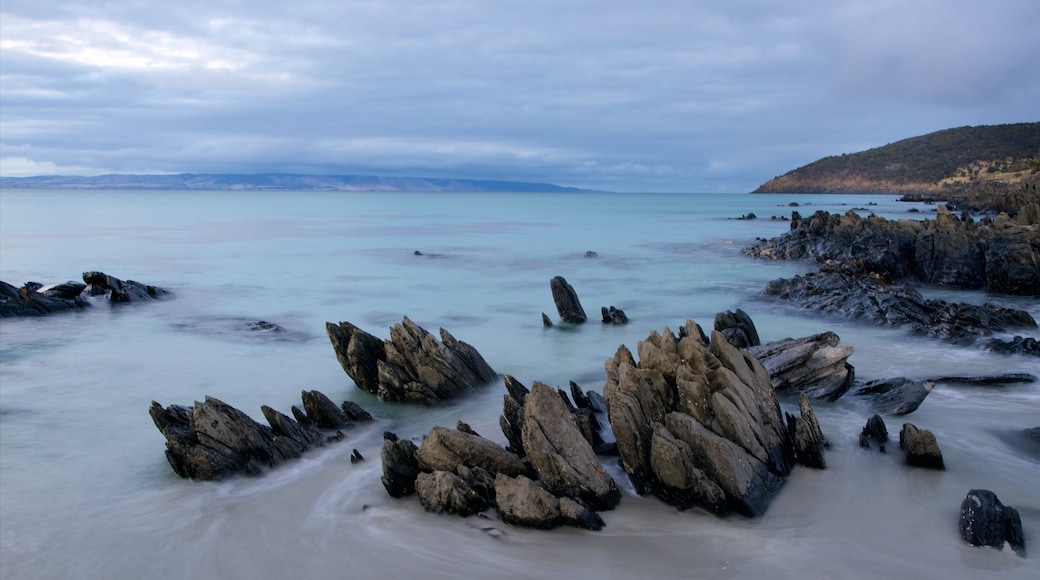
{"x": 86, "y": 492}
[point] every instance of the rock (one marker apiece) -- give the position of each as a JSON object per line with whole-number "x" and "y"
{"x": 566, "y": 299}
{"x": 807, "y": 441}
{"x": 895, "y": 396}
{"x": 446, "y": 492}
{"x": 355, "y": 412}
{"x": 66, "y": 291}
{"x": 562, "y": 456}
{"x": 1001, "y": 379}
{"x": 356, "y": 457}
{"x": 1028, "y": 346}
{"x": 591, "y": 254}
{"x": 412, "y": 366}
{"x": 400, "y": 466}
{"x": 920, "y": 447}
{"x": 324, "y": 413}
{"x": 28, "y": 301}
{"x": 546, "y": 321}
{"x": 738, "y": 328}
{"x": 985, "y": 521}
{"x": 214, "y": 440}
{"x": 875, "y": 430}
{"x": 444, "y": 449}
{"x": 613, "y": 315}
{"x": 869, "y": 299}
{"x": 521, "y": 502}
{"x": 814, "y": 365}
{"x": 697, "y": 426}
{"x": 117, "y": 290}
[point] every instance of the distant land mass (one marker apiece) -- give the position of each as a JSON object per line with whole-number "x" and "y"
{"x": 953, "y": 161}
{"x": 276, "y": 182}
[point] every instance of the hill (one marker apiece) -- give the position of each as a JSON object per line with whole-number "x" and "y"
{"x": 277, "y": 181}
{"x": 949, "y": 161}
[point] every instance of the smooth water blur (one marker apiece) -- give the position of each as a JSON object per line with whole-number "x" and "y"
{"x": 85, "y": 490}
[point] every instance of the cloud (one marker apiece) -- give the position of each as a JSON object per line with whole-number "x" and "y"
{"x": 661, "y": 95}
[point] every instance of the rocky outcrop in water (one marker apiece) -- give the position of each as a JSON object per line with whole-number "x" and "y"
{"x": 807, "y": 440}
{"x": 35, "y": 299}
{"x": 698, "y": 424}
{"x": 213, "y": 440}
{"x": 985, "y": 521}
{"x": 613, "y": 315}
{"x": 412, "y": 366}
{"x": 894, "y": 396}
{"x": 876, "y": 431}
{"x": 738, "y": 328}
{"x": 566, "y": 299}
{"x": 869, "y": 299}
{"x": 997, "y": 255}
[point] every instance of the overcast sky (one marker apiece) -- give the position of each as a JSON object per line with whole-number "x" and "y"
{"x": 656, "y": 95}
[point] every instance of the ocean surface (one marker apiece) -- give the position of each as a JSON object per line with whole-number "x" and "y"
{"x": 86, "y": 491}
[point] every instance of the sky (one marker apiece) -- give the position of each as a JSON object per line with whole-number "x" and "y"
{"x": 654, "y": 96}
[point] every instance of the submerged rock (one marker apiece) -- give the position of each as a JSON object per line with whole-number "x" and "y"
{"x": 99, "y": 283}
{"x": 29, "y": 301}
{"x": 876, "y": 431}
{"x": 895, "y": 396}
{"x": 411, "y": 367}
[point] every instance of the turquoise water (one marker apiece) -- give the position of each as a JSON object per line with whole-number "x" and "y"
{"x": 85, "y": 490}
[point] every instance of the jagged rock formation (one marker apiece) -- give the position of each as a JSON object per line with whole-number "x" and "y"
{"x": 985, "y": 521}
{"x": 566, "y": 299}
{"x": 998, "y": 255}
{"x": 698, "y": 425}
{"x": 613, "y": 315}
{"x": 411, "y": 367}
{"x": 561, "y": 481}
{"x": 738, "y": 328}
{"x": 807, "y": 440}
{"x": 869, "y": 299}
{"x": 920, "y": 447}
{"x": 213, "y": 440}
{"x": 35, "y": 299}
{"x": 876, "y": 431}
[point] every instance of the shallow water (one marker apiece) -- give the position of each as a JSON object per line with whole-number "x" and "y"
{"x": 85, "y": 490}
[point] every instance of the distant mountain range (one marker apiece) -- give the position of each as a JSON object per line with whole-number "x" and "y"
{"x": 952, "y": 160}
{"x": 277, "y": 181}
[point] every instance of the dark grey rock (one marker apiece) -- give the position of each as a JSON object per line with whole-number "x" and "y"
{"x": 324, "y": 413}
{"x": 567, "y": 304}
{"x": 400, "y": 466}
{"x": 895, "y": 396}
{"x": 807, "y": 441}
{"x": 738, "y": 328}
{"x": 546, "y": 321}
{"x": 98, "y": 283}
{"x": 985, "y": 521}
{"x": 876, "y": 431}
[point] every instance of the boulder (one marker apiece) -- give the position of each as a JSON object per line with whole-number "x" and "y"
{"x": 412, "y": 366}
{"x": 566, "y": 300}
{"x": 613, "y": 315}
{"x": 738, "y": 328}
{"x": 324, "y": 413}
{"x": 562, "y": 456}
{"x": 814, "y": 365}
{"x": 445, "y": 449}
{"x": 446, "y": 492}
{"x": 920, "y": 447}
{"x": 400, "y": 466}
{"x": 985, "y": 521}
{"x": 522, "y": 502}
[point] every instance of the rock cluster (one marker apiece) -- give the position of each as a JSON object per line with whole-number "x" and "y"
{"x": 35, "y": 299}
{"x": 412, "y": 366}
{"x": 868, "y": 298}
{"x": 213, "y": 440}
{"x": 548, "y": 476}
{"x": 699, "y": 424}
{"x": 985, "y": 521}
{"x": 998, "y": 255}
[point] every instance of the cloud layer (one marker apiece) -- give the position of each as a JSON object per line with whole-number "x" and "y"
{"x": 653, "y": 96}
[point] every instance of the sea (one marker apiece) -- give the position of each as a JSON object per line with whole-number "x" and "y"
{"x": 86, "y": 490}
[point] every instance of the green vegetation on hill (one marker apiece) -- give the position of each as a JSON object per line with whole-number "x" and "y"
{"x": 949, "y": 161}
